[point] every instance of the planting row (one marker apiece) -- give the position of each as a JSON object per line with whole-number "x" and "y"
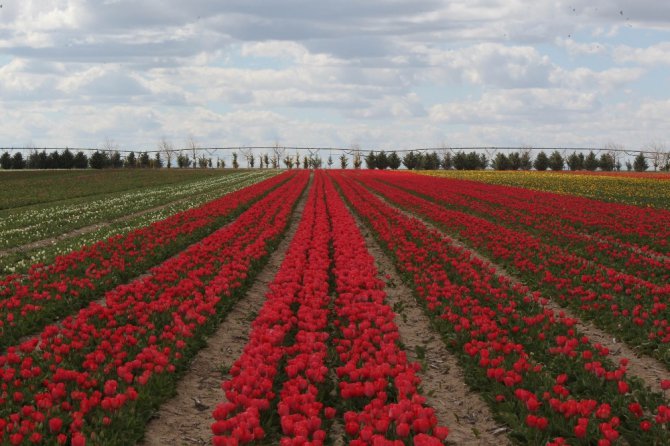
{"x": 21, "y": 226}
{"x": 368, "y": 346}
{"x": 645, "y": 189}
{"x": 28, "y": 302}
{"x": 314, "y": 359}
{"x": 31, "y": 187}
{"x": 18, "y": 261}
{"x": 546, "y": 381}
{"x": 629, "y": 308}
{"x": 562, "y": 221}
{"x": 644, "y": 226}
{"x": 99, "y": 375}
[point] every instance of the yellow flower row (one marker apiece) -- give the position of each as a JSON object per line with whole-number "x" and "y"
{"x": 651, "y": 190}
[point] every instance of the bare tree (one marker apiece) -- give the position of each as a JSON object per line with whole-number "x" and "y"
{"x": 615, "y": 150}
{"x": 443, "y": 152}
{"x": 193, "y": 146}
{"x": 248, "y": 155}
{"x": 664, "y": 161}
{"x": 277, "y": 154}
{"x": 168, "y": 149}
{"x": 111, "y": 153}
{"x": 657, "y": 153}
{"x": 109, "y": 146}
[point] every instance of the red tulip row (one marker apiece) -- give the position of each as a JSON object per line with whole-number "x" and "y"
{"x": 631, "y": 309}
{"x": 646, "y": 227}
{"x": 285, "y": 322}
{"x": 100, "y": 374}
{"x": 375, "y": 375}
{"x": 543, "y": 378}
{"x": 300, "y": 406}
{"x": 553, "y": 222}
{"x": 28, "y": 303}
{"x": 376, "y": 383}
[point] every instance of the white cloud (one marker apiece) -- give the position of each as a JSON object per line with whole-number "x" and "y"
{"x": 378, "y": 72}
{"x": 658, "y": 54}
{"x": 575, "y": 48}
{"x": 21, "y": 82}
{"x": 486, "y": 64}
{"x": 518, "y": 107}
{"x": 585, "y": 79}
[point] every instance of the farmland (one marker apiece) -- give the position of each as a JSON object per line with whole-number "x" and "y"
{"x": 31, "y": 234}
{"x": 34, "y": 187}
{"x": 336, "y": 307}
{"x": 641, "y": 189}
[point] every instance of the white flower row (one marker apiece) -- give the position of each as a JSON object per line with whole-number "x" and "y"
{"x": 23, "y": 226}
{"x": 20, "y": 263}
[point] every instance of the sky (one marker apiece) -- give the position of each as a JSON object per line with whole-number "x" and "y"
{"x": 381, "y": 74}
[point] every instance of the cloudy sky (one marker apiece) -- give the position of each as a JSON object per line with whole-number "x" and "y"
{"x": 378, "y": 73}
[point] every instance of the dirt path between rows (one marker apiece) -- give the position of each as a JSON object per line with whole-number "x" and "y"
{"x": 186, "y": 419}
{"x": 649, "y": 370}
{"x": 467, "y": 416}
{"x": 84, "y": 230}
{"x": 102, "y": 301}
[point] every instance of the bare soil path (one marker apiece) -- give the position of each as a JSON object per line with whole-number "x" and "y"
{"x": 649, "y": 370}
{"x": 467, "y": 416}
{"x": 186, "y": 419}
{"x": 102, "y": 301}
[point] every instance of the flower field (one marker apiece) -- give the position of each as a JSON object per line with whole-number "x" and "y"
{"x": 534, "y": 294}
{"x": 638, "y": 188}
{"x": 25, "y": 225}
{"x": 37, "y": 233}
{"x": 47, "y": 186}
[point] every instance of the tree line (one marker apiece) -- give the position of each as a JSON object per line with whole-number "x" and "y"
{"x": 69, "y": 160}
{"x": 522, "y": 160}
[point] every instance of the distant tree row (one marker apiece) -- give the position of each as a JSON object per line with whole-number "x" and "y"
{"x": 503, "y": 161}
{"x": 555, "y": 161}
{"x": 68, "y": 160}
{"x": 578, "y": 161}
{"x": 44, "y": 160}
{"x": 103, "y": 159}
{"x": 425, "y": 161}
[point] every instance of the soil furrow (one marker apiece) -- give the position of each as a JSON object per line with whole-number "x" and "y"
{"x": 102, "y": 301}
{"x": 648, "y": 369}
{"x": 186, "y": 419}
{"x": 467, "y": 416}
